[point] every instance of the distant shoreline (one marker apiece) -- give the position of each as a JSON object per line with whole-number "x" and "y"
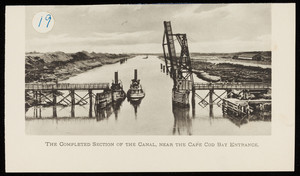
{"x": 234, "y": 70}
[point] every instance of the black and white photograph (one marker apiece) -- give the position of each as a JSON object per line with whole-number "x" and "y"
{"x": 193, "y": 69}
{"x": 186, "y": 87}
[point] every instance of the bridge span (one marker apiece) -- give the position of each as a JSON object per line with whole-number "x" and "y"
{"x": 232, "y": 85}
{"x": 66, "y": 86}
{"x": 103, "y": 86}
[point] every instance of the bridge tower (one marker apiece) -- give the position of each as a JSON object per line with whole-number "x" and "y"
{"x": 179, "y": 67}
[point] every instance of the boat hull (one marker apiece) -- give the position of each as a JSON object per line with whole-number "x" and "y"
{"x": 208, "y": 78}
{"x": 135, "y": 96}
{"x": 118, "y": 95}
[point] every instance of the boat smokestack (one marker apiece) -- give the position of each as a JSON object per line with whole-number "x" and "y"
{"x": 116, "y": 77}
{"x": 135, "y": 74}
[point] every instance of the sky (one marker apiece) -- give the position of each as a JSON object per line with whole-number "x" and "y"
{"x": 139, "y": 28}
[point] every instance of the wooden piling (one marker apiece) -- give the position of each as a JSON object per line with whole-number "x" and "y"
{"x": 211, "y": 96}
{"x": 91, "y": 102}
{"x": 34, "y": 112}
{"x": 39, "y": 97}
{"x": 40, "y": 112}
{"x": 211, "y": 110}
{"x": 245, "y": 94}
{"x": 211, "y": 106}
{"x": 91, "y": 96}
{"x": 35, "y": 97}
{"x": 228, "y": 93}
{"x": 73, "y": 111}
{"x": 193, "y": 102}
{"x": 54, "y": 101}
{"x": 54, "y": 111}
{"x": 72, "y": 92}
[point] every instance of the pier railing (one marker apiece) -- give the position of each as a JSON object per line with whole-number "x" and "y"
{"x": 66, "y": 86}
{"x": 231, "y": 85}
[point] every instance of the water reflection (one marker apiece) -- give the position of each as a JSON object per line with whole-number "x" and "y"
{"x": 135, "y": 105}
{"x": 54, "y": 111}
{"x": 37, "y": 112}
{"x": 103, "y": 113}
{"x": 116, "y": 108}
{"x": 100, "y": 113}
{"x": 242, "y": 120}
{"x": 106, "y": 112}
{"x": 238, "y": 121}
{"x": 182, "y": 121}
{"x": 211, "y": 111}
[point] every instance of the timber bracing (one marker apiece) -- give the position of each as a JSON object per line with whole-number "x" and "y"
{"x": 43, "y": 93}
{"x": 242, "y": 88}
{"x": 54, "y": 97}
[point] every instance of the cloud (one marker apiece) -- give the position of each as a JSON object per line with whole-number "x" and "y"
{"x": 208, "y": 7}
{"x": 108, "y": 26}
{"x": 96, "y": 40}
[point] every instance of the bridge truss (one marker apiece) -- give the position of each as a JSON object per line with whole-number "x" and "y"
{"x": 179, "y": 67}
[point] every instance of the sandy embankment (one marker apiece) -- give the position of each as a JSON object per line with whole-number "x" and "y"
{"x": 49, "y": 67}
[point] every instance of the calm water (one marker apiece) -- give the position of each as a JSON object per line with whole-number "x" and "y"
{"x": 153, "y": 116}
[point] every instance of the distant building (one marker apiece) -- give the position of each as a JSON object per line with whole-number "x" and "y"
{"x": 257, "y": 57}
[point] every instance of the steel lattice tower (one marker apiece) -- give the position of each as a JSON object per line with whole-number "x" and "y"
{"x": 179, "y": 67}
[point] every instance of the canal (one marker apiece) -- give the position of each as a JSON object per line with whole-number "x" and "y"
{"x": 153, "y": 116}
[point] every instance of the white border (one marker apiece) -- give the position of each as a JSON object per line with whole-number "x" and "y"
{"x": 25, "y": 153}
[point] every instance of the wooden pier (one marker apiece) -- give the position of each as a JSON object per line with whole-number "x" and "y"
{"x": 66, "y": 86}
{"x": 47, "y": 94}
{"x": 243, "y": 90}
{"x": 232, "y": 85}
{"x": 52, "y": 94}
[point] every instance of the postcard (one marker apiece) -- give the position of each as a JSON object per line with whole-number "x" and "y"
{"x": 150, "y": 87}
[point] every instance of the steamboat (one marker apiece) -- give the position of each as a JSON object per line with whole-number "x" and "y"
{"x": 114, "y": 94}
{"x": 118, "y": 94}
{"x": 135, "y": 92}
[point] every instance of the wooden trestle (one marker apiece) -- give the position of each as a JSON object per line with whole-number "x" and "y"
{"x": 43, "y": 93}
{"x": 243, "y": 89}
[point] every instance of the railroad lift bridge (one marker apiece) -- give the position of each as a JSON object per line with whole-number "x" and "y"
{"x": 179, "y": 67}
{"x": 182, "y": 74}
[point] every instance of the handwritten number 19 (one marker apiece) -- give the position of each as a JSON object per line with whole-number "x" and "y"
{"x": 47, "y": 18}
